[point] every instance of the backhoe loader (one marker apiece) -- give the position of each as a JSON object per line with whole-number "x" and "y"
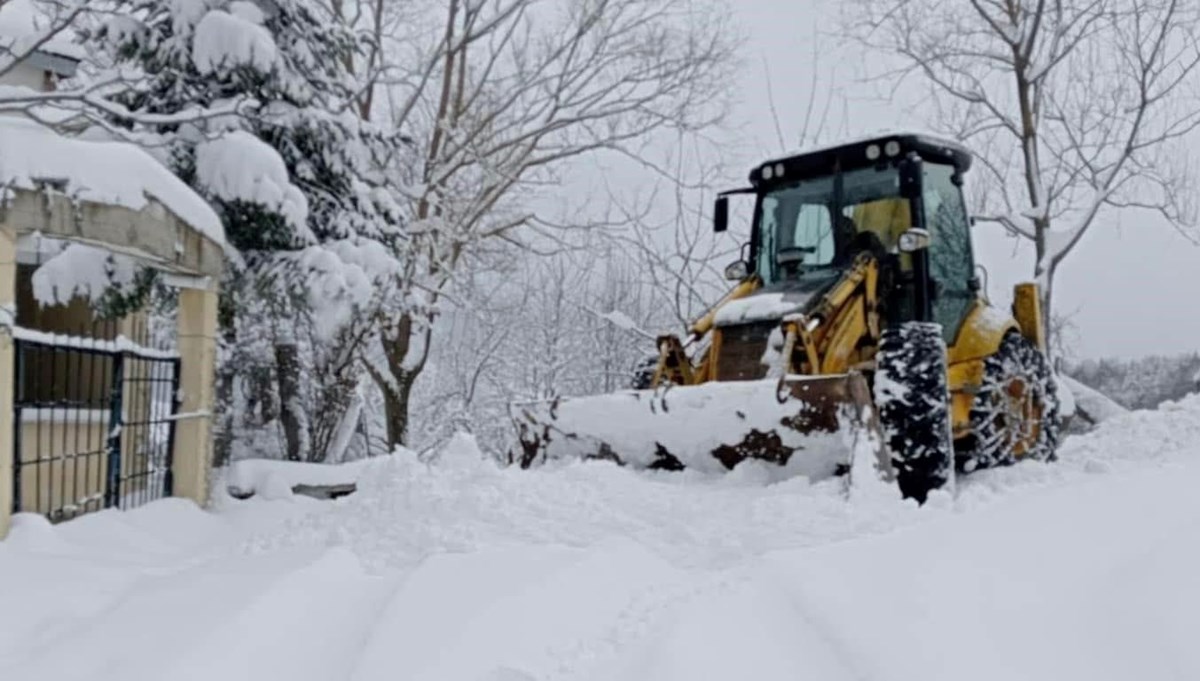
{"x": 856, "y": 308}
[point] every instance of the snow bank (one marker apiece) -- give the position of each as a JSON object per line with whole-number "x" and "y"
{"x": 458, "y": 569}
{"x": 273, "y": 479}
{"x": 112, "y": 173}
{"x": 1090, "y": 403}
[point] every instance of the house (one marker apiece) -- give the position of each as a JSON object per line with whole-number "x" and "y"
{"x": 92, "y": 414}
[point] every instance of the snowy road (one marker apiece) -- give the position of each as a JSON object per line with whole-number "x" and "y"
{"x": 1084, "y": 569}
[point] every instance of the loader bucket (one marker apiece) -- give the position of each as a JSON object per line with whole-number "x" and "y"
{"x": 798, "y": 421}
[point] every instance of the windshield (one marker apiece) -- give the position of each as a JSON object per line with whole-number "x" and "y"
{"x": 812, "y": 225}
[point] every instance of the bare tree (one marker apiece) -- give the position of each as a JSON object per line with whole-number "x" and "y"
{"x": 1074, "y": 106}
{"x": 665, "y": 229}
{"x": 511, "y": 91}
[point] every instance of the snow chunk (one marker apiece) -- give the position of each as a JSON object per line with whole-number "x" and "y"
{"x": 226, "y": 40}
{"x": 460, "y": 451}
{"x": 240, "y": 167}
{"x": 81, "y": 270}
{"x": 113, "y": 173}
{"x": 1066, "y": 397}
{"x": 345, "y": 277}
{"x": 621, "y": 320}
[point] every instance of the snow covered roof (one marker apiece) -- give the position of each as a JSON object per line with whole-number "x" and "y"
{"x": 110, "y": 173}
{"x": 22, "y": 26}
{"x": 882, "y": 133}
{"x": 862, "y": 152}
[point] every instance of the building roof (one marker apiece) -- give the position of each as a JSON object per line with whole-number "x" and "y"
{"x": 22, "y": 26}
{"x": 33, "y": 157}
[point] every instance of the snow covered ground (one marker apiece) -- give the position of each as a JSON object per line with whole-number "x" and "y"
{"x": 1088, "y": 568}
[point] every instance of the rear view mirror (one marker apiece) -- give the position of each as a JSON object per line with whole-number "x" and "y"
{"x": 914, "y": 240}
{"x": 737, "y": 270}
{"x": 721, "y": 215}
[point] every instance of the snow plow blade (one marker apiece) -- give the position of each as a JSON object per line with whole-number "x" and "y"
{"x": 805, "y": 423}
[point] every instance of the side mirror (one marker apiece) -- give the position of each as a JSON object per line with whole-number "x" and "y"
{"x": 737, "y": 270}
{"x": 914, "y": 240}
{"x": 721, "y": 214}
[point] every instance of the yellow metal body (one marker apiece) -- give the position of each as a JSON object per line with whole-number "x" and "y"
{"x": 1027, "y": 308}
{"x": 841, "y": 333}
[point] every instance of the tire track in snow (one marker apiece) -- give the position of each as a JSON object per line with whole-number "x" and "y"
{"x": 308, "y": 625}
{"x": 171, "y": 626}
{"x": 522, "y": 612}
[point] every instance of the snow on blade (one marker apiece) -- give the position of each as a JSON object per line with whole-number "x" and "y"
{"x": 111, "y": 173}
{"x": 689, "y": 422}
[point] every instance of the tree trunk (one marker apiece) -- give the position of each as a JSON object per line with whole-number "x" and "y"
{"x": 223, "y": 442}
{"x": 287, "y": 364}
{"x": 226, "y": 376}
{"x": 396, "y": 405}
{"x": 404, "y": 371}
{"x": 1047, "y": 298}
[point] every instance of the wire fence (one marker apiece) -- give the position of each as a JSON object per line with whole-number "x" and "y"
{"x": 94, "y": 418}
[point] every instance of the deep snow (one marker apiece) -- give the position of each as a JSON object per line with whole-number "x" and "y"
{"x": 453, "y": 569}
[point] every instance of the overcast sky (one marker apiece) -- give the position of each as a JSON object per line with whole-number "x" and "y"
{"x": 1132, "y": 283}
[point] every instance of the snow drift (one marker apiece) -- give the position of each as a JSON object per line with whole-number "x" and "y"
{"x": 457, "y": 569}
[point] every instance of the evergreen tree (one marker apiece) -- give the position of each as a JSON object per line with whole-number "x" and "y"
{"x": 302, "y": 185}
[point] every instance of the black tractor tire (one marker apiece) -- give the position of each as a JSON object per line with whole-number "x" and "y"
{"x": 911, "y": 395}
{"x": 1015, "y": 413}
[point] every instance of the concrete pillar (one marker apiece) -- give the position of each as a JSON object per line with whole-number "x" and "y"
{"x": 197, "y": 337}
{"x": 8, "y": 311}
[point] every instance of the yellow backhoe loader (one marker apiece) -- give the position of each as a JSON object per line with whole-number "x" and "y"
{"x": 857, "y": 306}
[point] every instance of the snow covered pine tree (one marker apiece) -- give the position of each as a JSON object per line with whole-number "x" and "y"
{"x": 302, "y": 187}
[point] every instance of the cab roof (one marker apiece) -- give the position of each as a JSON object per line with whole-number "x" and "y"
{"x": 861, "y": 153}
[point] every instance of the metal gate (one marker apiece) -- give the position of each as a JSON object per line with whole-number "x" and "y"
{"x": 94, "y": 424}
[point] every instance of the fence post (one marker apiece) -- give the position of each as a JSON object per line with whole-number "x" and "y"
{"x": 8, "y": 314}
{"x": 112, "y": 479}
{"x": 172, "y": 434}
{"x": 197, "y": 336}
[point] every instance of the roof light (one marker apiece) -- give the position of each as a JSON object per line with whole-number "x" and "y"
{"x": 873, "y": 152}
{"x": 892, "y": 148}
{"x": 768, "y": 172}
{"x": 779, "y": 170}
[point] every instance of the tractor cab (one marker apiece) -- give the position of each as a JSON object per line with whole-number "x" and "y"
{"x": 897, "y": 196}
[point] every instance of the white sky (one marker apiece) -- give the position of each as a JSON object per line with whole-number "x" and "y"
{"x": 1132, "y": 283}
